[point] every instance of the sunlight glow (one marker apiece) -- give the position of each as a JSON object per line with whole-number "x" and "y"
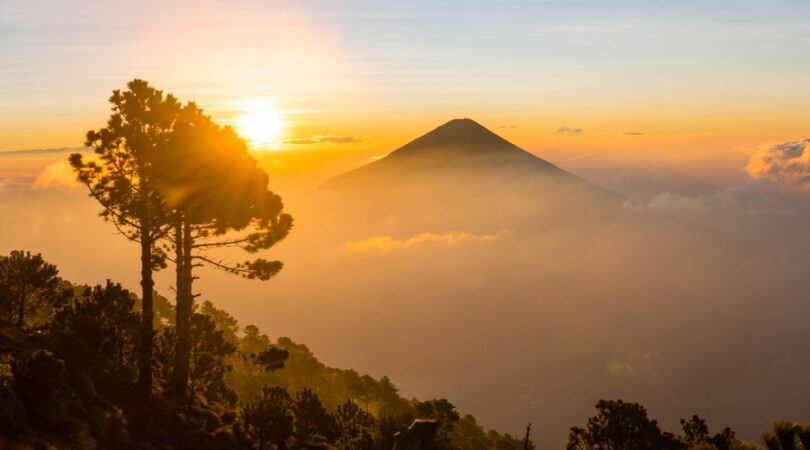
{"x": 261, "y": 123}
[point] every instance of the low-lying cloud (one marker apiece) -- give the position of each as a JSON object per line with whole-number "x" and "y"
{"x": 323, "y": 140}
{"x": 786, "y": 164}
{"x": 56, "y": 175}
{"x": 759, "y": 198}
{"x": 452, "y": 238}
{"x": 567, "y": 130}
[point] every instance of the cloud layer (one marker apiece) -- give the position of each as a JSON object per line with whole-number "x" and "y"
{"x": 452, "y": 238}
{"x": 323, "y": 140}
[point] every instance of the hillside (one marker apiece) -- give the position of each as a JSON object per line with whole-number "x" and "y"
{"x": 68, "y": 377}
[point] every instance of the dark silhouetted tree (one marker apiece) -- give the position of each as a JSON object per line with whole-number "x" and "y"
{"x": 27, "y": 284}
{"x": 39, "y": 382}
{"x": 123, "y": 180}
{"x": 13, "y": 416}
{"x": 257, "y": 357}
{"x": 313, "y": 423}
{"x": 527, "y": 439}
{"x": 268, "y": 420}
{"x": 696, "y": 433}
{"x": 356, "y": 427}
{"x": 785, "y": 435}
{"x": 270, "y": 359}
{"x": 208, "y": 361}
{"x": 620, "y": 426}
{"x": 99, "y": 322}
{"x": 695, "y": 430}
{"x": 219, "y": 198}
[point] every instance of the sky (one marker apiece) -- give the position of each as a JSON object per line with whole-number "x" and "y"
{"x": 676, "y": 79}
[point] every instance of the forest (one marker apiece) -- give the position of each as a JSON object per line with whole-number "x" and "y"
{"x": 86, "y": 367}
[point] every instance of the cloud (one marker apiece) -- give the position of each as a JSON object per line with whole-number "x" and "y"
{"x": 786, "y": 164}
{"x": 338, "y": 139}
{"x": 566, "y": 130}
{"x": 301, "y": 141}
{"x": 43, "y": 151}
{"x": 679, "y": 203}
{"x": 755, "y": 198}
{"x": 634, "y": 133}
{"x": 58, "y": 174}
{"x": 323, "y": 140}
{"x": 452, "y": 238}
{"x": 15, "y": 180}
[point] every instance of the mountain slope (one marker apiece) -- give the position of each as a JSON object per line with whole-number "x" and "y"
{"x": 461, "y": 154}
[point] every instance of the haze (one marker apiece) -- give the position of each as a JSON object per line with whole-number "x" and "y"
{"x": 664, "y": 261}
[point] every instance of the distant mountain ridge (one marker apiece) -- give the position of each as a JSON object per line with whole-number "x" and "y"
{"x": 43, "y": 151}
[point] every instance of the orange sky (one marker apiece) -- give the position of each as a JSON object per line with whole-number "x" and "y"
{"x": 693, "y": 82}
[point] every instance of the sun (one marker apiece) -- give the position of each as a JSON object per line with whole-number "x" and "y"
{"x": 261, "y": 123}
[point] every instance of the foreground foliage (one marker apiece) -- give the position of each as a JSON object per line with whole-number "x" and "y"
{"x": 69, "y": 379}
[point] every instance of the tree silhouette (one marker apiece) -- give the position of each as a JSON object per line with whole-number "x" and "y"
{"x": 218, "y": 198}
{"x": 527, "y": 439}
{"x": 786, "y": 435}
{"x": 620, "y": 426}
{"x": 122, "y": 179}
{"x": 26, "y": 283}
{"x": 696, "y": 432}
{"x": 39, "y": 381}
{"x": 313, "y": 423}
{"x": 355, "y": 427}
{"x": 114, "y": 330}
{"x": 269, "y": 420}
{"x": 209, "y": 351}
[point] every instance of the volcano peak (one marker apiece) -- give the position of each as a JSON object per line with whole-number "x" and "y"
{"x": 459, "y": 134}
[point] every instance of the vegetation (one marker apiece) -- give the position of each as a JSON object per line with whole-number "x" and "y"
{"x": 124, "y": 179}
{"x": 161, "y": 166}
{"x": 625, "y": 426}
{"x": 69, "y": 379}
{"x": 85, "y": 367}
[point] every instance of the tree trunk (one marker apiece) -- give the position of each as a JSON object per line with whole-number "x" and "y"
{"x": 21, "y": 309}
{"x": 185, "y": 306}
{"x": 144, "y": 390}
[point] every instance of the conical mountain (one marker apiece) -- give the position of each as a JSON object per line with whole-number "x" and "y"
{"x": 461, "y": 152}
{"x": 460, "y": 140}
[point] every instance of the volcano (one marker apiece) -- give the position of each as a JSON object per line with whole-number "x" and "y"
{"x": 462, "y": 155}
